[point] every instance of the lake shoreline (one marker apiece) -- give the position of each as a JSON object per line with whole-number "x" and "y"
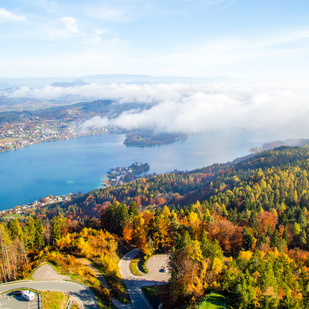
{"x": 79, "y": 165}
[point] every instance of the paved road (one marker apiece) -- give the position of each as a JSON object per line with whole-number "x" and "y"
{"x": 69, "y": 287}
{"x": 135, "y": 283}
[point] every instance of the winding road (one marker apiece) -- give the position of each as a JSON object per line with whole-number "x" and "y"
{"x": 47, "y": 279}
{"x": 135, "y": 283}
{"x": 61, "y": 286}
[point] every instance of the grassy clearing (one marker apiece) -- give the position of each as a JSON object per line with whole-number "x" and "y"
{"x": 16, "y": 216}
{"x": 54, "y": 300}
{"x": 213, "y": 301}
{"x": 7, "y": 139}
{"x": 133, "y": 267}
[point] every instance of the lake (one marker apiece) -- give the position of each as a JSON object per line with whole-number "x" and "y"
{"x": 68, "y": 166}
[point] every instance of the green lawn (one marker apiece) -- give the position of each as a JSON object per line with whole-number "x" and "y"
{"x": 142, "y": 264}
{"x": 213, "y": 301}
{"x": 12, "y": 215}
{"x": 133, "y": 267}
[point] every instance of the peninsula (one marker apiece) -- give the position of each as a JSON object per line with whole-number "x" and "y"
{"x": 120, "y": 175}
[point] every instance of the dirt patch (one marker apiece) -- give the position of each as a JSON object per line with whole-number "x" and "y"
{"x": 47, "y": 273}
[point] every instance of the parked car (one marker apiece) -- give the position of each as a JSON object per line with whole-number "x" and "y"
{"x": 28, "y": 295}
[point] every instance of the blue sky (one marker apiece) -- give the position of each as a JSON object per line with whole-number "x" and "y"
{"x": 245, "y": 39}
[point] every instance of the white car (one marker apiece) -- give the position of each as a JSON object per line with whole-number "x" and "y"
{"x": 28, "y": 295}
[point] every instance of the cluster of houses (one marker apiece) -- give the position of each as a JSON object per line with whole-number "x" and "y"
{"x": 42, "y": 202}
{"x": 26, "y": 134}
{"x": 120, "y": 175}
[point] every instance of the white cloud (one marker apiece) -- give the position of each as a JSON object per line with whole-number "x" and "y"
{"x": 95, "y": 37}
{"x": 226, "y": 107}
{"x": 195, "y": 108}
{"x": 65, "y": 27}
{"x": 70, "y": 24}
{"x": 147, "y": 93}
{"x": 6, "y": 16}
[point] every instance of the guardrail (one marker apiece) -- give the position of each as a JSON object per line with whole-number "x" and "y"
{"x": 89, "y": 290}
{"x": 68, "y": 304}
{"x": 40, "y": 301}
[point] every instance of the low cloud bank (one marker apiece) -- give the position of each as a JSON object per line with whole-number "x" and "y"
{"x": 195, "y": 108}
{"x": 144, "y": 93}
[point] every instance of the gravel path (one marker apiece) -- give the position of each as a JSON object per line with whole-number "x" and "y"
{"x": 47, "y": 273}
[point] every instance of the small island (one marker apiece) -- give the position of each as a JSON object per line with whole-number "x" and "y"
{"x": 120, "y": 175}
{"x": 146, "y": 138}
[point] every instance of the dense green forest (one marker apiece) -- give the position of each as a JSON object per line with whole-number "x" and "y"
{"x": 240, "y": 229}
{"x": 148, "y": 137}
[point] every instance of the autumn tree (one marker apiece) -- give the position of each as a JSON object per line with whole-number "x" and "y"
{"x": 15, "y": 229}
{"x": 58, "y": 223}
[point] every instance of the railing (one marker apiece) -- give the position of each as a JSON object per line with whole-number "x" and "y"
{"x": 40, "y": 301}
{"x": 68, "y": 306}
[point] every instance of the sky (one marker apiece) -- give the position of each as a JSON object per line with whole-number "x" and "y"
{"x": 265, "y": 40}
{"x": 260, "y": 48}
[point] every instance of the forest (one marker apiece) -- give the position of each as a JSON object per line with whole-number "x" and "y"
{"x": 147, "y": 137}
{"x": 240, "y": 229}
{"x": 72, "y": 112}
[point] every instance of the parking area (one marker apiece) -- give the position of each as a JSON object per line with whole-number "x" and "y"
{"x": 16, "y": 301}
{"x": 157, "y": 266}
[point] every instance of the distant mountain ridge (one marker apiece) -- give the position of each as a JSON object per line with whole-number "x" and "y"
{"x": 105, "y": 79}
{"x": 78, "y": 82}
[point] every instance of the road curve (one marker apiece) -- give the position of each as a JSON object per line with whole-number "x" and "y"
{"x": 135, "y": 283}
{"x": 61, "y": 286}
{"x": 138, "y": 299}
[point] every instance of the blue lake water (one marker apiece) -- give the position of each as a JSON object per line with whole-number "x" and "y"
{"x": 64, "y": 167}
